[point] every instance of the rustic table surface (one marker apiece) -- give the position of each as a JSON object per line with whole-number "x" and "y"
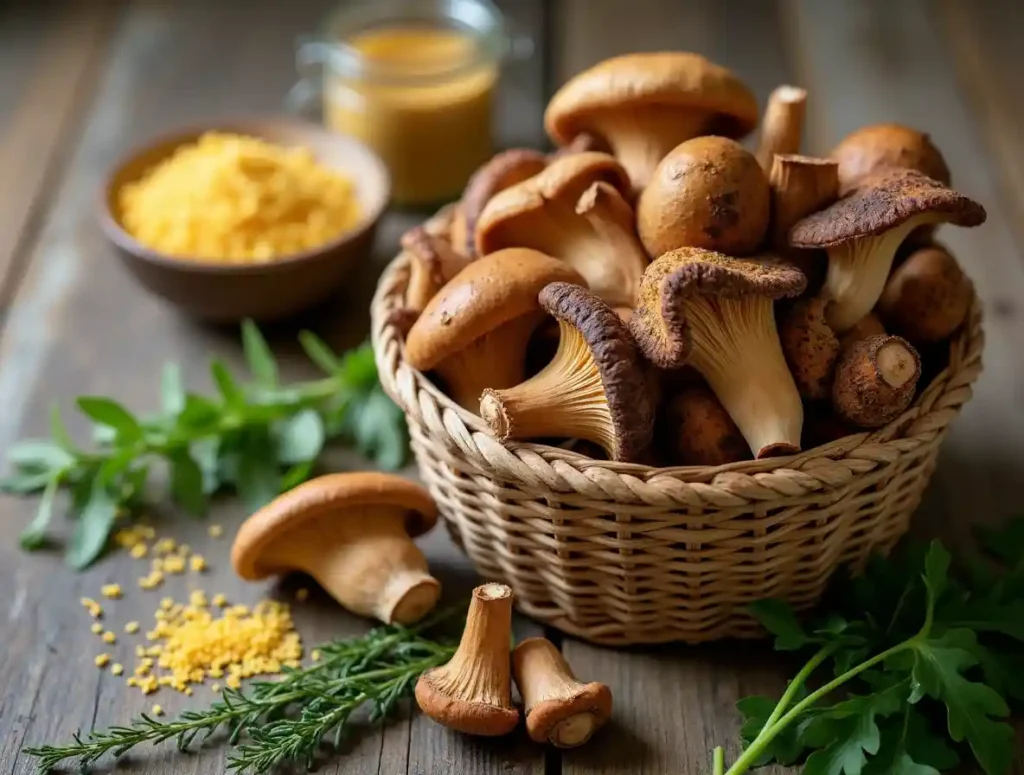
{"x": 82, "y": 81}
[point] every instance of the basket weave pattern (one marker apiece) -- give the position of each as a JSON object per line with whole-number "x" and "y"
{"x": 623, "y": 554}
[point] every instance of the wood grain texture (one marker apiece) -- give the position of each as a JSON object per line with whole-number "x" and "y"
{"x": 78, "y": 324}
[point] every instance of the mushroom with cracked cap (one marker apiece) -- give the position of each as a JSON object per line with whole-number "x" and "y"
{"x": 573, "y": 210}
{"x": 873, "y": 148}
{"x": 353, "y": 533}
{"x": 708, "y": 192}
{"x": 863, "y": 230}
{"x": 559, "y": 709}
{"x": 695, "y": 430}
{"x": 810, "y": 346}
{"x": 475, "y": 330}
{"x": 926, "y": 297}
{"x": 595, "y": 388}
{"x": 875, "y": 380}
{"x": 644, "y": 105}
{"x": 716, "y": 314}
{"x": 473, "y": 692}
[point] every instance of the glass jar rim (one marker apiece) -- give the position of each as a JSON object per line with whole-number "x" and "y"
{"x": 479, "y": 18}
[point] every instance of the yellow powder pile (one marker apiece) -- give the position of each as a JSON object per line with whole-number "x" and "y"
{"x": 236, "y": 199}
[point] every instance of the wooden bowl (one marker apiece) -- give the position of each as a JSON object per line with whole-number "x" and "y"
{"x": 225, "y": 293}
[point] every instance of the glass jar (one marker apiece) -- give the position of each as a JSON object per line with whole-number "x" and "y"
{"x": 415, "y": 81}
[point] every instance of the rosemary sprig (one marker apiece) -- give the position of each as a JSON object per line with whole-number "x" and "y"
{"x": 285, "y": 720}
{"x": 257, "y": 438}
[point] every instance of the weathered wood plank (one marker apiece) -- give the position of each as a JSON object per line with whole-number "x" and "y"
{"x": 79, "y": 325}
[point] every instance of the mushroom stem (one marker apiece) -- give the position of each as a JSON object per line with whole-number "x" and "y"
{"x": 434, "y": 262}
{"x": 494, "y": 360}
{"x": 367, "y": 562}
{"x": 875, "y": 380}
{"x": 611, "y": 217}
{"x": 741, "y": 358}
{"x": 858, "y": 270}
{"x": 782, "y": 128}
{"x": 800, "y": 185}
{"x": 559, "y": 709}
{"x": 473, "y": 692}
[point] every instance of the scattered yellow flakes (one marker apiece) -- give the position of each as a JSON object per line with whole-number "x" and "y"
{"x": 215, "y": 688}
{"x": 302, "y": 594}
{"x": 165, "y": 546}
{"x": 184, "y": 550}
{"x": 315, "y": 656}
{"x": 152, "y": 581}
{"x": 174, "y": 564}
{"x": 95, "y": 609}
{"x": 198, "y": 563}
{"x": 117, "y": 668}
{"x": 188, "y": 691}
{"x": 112, "y": 591}
{"x": 156, "y": 565}
{"x": 140, "y": 651}
{"x": 102, "y": 660}
{"x": 139, "y": 551}
{"x": 132, "y": 681}
{"x": 220, "y": 600}
{"x": 233, "y": 682}
{"x": 109, "y": 637}
{"x": 216, "y": 672}
{"x": 157, "y": 710}
{"x": 215, "y": 531}
{"x": 198, "y": 599}
{"x": 131, "y": 627}
{"x": 96, "y": 628}
{"x": 167, "y": 603}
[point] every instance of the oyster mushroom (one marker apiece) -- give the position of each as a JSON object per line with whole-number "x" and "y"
{"x": 473, "y": 692}
{"x": 353, "y": 533}
{"x": 573, "y": 210}
{"x": 644, "y": 105}
{"x": 595, "y": 388}
{"x": 810, "y": 346}
{"x": 559, "y": 709}
{"x": 706, "y": 193}
{"x": 863, "y": 230}
{"x": 475, "y": 331}
{"x": 881, "y": 146}
{"x": 875, "y": 380}
{"x": 695, "y": 430}
{"x": 927, "y": 296}
{"x": 783, "y": 125}
{"x": 433, "y": 262}
{"x": 716, "y": 314}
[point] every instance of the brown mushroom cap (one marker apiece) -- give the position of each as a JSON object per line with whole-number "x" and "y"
{"x": 697, "y": 431}
{"x": 326, "y": 497}
{"x": 709, "y": 192}
{"x": 882, "y": 201}
{"x": 659, "y": 322}
{"x": 927, "y": 296}
{"x": 869, "y": 325}
{"x": 668, "y": 79}
{"x": 489, "y": 292}
{"x": 880, "y": 146}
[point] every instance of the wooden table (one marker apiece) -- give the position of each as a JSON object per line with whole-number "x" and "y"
{"x": 81, "y": 81}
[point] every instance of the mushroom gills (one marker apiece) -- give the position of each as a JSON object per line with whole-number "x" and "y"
{"x": 736, "y": 347}
{"x": 858, "y": 270}
{"x": 366, "y": 561}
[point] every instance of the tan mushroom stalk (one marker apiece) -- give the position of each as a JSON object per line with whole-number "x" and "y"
{"x": 560, "y": 709}
{"x": 573, "y": 210}
{"x": 473, "y": 692}
{"x": 716, "y": 314}
{"x": 708, "y": 193}
{"x": 644, "y": 105}
{"x": 863, "y": 231}
{"x": 927, "y": 297}
{"x": 873, "y": 148}
{"x": 695, "y": 430}
{"x": 783, "y": 124}
{"x": 875, "y": 380}
{"x": 474, "y": 332}
{"x": 810, "y": 346}
{"x": 353, "y": 533}
{"x": 869, "y": 325}
{"x": 594, "y": 388}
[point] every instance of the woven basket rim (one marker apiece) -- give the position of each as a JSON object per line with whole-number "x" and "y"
{"x": 927, "y": 416}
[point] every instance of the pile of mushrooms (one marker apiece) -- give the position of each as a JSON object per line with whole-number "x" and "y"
{"x": 657, "y": 293}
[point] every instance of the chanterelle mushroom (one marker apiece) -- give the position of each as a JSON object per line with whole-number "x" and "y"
{"x": 708, "y": 192}
{"x": 559, "y": 709}
{"x": 881, "y": 146}
{"x": 474, "y": 332}
{"x": 863, "y": 230}
{"x": 573, "y": 210}
{"x": 473, "y": 692}
{"x": 594, "y": 388}
{"x": 353, "y": 533}
{"x": 715, "y": 313}
{"x": 645, "y": 104}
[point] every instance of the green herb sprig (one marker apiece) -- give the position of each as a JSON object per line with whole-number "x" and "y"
{"x": 914, "y": 654}
{"x": 286, "y": 720}
{"x": 256, "y": 438}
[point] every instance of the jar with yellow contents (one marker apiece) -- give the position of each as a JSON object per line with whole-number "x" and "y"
{"x": 415, "y": 80}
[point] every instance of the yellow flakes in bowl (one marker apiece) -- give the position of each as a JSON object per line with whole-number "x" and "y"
{"x": 237, "y": 200}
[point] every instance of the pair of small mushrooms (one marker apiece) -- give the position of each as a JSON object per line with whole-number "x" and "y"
{"x": 473, "y": 692}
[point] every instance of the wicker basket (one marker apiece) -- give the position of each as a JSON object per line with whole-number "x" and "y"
{"x": 623, "y": 554}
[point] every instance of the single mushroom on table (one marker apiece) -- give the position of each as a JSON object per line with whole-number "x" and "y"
{"x": 875, "y": 380}
{"x": 810, "y": 346}
{"x": 559, "y": 709}
{"x": 716, "y": 313}
{"x": 863, "y": 230}
{"x": 474, "y": 332}
{"x": 353, "y": 533}
{"x": 882, "y": 146}
{"x": 927, "y": 297}
{"x": 573, "y": 210}
{"x": 473, "y": 692}
{"x": 695, "y": 430}
{"x": 708, "y": 192}
{"x": 644, "y": 105}
{"x": 595, "y": 388}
